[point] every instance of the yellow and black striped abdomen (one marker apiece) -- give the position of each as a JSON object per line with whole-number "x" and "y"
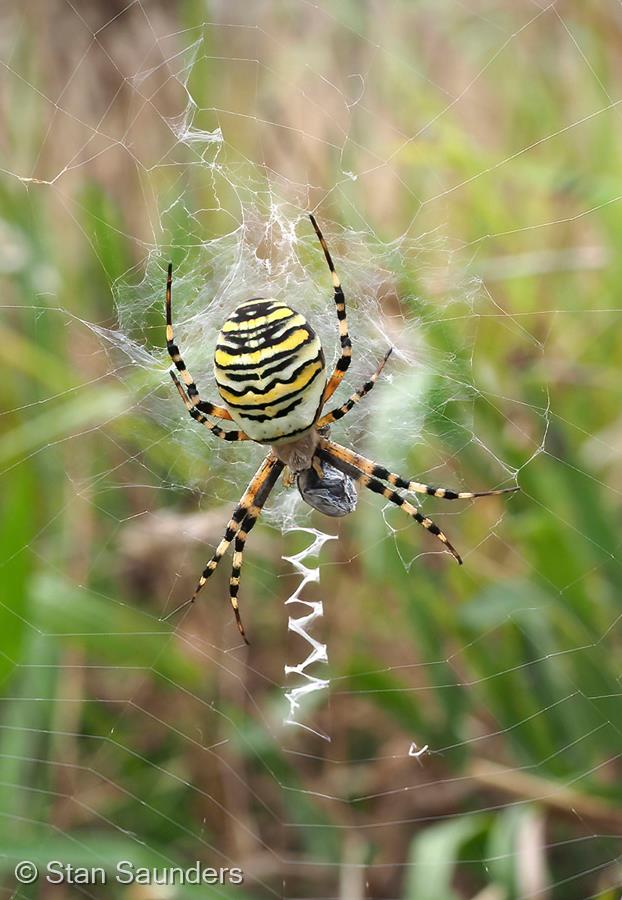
{"x": 270, "y": 371}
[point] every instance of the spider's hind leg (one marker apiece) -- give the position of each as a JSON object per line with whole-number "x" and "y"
{"x": 236, "y": 568}
{"x": 373, "y": 484}
{"x": 393, "y": 497}
{"x": 416, "y": 487}
{"x": 244, "y": 517}
{"x": 240, "y": 541}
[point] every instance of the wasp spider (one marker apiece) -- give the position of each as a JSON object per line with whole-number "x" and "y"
{"x": 271, "y": 376}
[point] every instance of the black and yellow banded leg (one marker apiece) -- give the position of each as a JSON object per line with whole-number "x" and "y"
{"x": 240, "y": 540}
{"x": 246, "y": 512}
{"x": 392, "y": 496}
{"x": 344, "y": 338}
{"x": 236, "y": 568}
{"x": 370, "y": 468}
{"x": 339, "y": 413}
{"x": 209, "y": 409}
{"x": 199, "y": 417}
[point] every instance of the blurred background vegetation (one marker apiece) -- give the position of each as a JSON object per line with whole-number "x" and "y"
{"x": 495, "y": 123}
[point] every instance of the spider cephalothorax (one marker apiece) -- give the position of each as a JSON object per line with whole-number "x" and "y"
{"x": 271, "y": 375}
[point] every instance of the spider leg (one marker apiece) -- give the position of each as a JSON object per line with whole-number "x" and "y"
{"x": 199, "y": 417}
{"x": 336, "y": 451}
{"x": 339, "y": 413}
{"x": 249, "y": 509}
{"x": 193, "y": 392}
{"x": 236, "y": 568}
{"x": 392, "y": 496}
{"x": 240, "y": 541}
{"x": 344, "y": 338}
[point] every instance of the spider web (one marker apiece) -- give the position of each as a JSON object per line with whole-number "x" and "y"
{"x": 460, "y": 168}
